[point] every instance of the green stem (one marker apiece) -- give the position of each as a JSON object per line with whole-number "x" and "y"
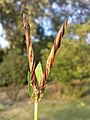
{"x": 35, "y": 110}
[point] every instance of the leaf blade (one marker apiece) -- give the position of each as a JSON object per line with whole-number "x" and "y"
{"x": 30, "y": 89}
{"x": 39, "y": 73}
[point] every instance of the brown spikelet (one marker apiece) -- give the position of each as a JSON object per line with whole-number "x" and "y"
{"x": 50, "y": 60}
{"x": 30, "y": 53}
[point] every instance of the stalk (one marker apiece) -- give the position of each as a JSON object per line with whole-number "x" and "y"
{"x": 35, "y": 110}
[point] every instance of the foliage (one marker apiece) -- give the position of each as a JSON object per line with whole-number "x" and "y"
{"x": 73, "y": 62}
{"x": 13, "y": 69}
{"x": 11, "y": 18}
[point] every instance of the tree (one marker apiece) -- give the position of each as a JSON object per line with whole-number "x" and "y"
{"x": 40, "y": 11}
{"x": 1, "y": 55}
{"x": 11, "y": 18}
{"x": 13, "y": 73}
{"x": 13, "y": 69}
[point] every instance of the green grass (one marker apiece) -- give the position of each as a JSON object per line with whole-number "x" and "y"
{"x": 50, "y": 110}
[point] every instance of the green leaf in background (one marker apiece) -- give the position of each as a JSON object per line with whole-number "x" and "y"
{"x": 39, "y": 73}
{"x": 30, "y": 90}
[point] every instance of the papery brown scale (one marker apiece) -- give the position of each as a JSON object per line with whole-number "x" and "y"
{"x": 50, "y": 60}
{"x": 29, "y": 49}
{"x": 43, "y": 79}
{"x": 63, "y": 31}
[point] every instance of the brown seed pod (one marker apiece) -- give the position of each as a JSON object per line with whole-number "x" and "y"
{"x": 50, "y": 60}
{"x": 30, "y": 53}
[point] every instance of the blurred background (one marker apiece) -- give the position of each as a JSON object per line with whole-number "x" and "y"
{"x": 68, "y": 90}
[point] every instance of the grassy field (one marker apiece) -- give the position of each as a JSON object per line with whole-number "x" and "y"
{"x": 49, "y": 110}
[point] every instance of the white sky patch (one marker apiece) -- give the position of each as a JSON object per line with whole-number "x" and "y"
{"x": 54, "y": 5}
{"x": 46, "y": 24}
{"x": 88, "y": 38}
{"x": 3, "y": 42}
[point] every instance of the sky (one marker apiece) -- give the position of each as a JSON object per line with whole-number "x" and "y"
{"x": 3, "y": 42}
